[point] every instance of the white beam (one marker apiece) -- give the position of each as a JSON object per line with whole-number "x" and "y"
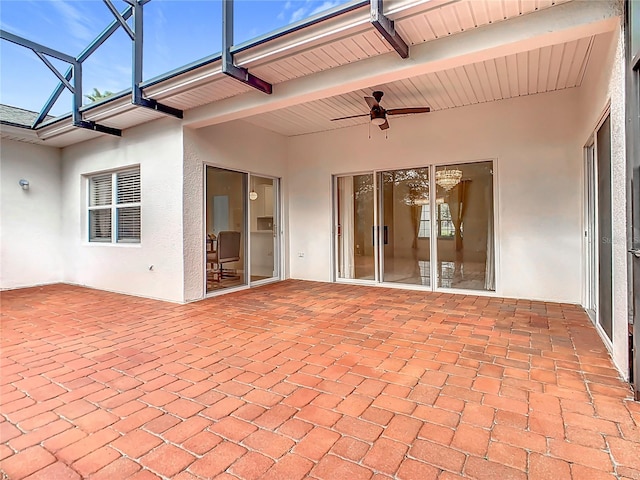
{"x": 555, "y": 25}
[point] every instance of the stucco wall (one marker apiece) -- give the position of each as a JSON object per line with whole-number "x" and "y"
{"x": 602, "y": 90}
{"x": 538, "y": 155}
{"x": 29, "y": 219}
{"x": 157, "y": 148}
{"x": 236, "y": 146}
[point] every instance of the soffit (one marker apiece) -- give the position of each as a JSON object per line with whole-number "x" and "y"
{"x": 349, "y": 40}
{"x": 219, "y": 88}
{"x": 128, "y": 116}
{"x": 541, "y": 70}
{"x": 456, "y": 17}
{"x": 340, "y": 41}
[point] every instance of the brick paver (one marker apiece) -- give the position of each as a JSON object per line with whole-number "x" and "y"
{"x": 308, "y": 380}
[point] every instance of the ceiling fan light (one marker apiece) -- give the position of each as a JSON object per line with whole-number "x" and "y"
{"x": 378, "y": 120}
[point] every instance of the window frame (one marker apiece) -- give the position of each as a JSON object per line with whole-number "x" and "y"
{"x": 114, "y": 207}
{"x": 425, "y": 225}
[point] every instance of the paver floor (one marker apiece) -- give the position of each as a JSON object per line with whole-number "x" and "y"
{"x": 308, "y": 380}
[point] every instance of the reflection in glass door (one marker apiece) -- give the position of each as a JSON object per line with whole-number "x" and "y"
{"x": 225, "y": 208}
{"x": 464, "y": 226}
{"x": 263, "y": 207}
{"x": 404, "y": 231}
{"x": 354, "y": 232}
{"x": 393, "y": 229}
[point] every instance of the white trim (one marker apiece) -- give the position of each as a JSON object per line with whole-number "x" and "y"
{"x": 277, "y": 244}
{"x": 114, "y": 206}
{"x": 496, "y": 229}
{"x": 278, "y": 212}
{"x": 434, "y": 274}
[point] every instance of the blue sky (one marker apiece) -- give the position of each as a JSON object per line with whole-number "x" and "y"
{"x": 176, "y": 32}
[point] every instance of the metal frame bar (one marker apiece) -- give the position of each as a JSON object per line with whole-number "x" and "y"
{"x": 54, "y": 70}
{"x": 120, "y": 19}
{"x": 137, "y": 97}
{"x": 632, "y": 112}
{"x": 86, "y": 53}
{"x": 52, "y": 100}
{"x": 385, "y": 27}
{"x": 36, "y": 47}
{"x": 75, "y": 71}
{"x": 228, "y": 66}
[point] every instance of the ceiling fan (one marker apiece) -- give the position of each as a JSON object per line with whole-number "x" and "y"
{"x": 379, "y": 114}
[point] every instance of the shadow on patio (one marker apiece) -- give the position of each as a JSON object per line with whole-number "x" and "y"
{"x": 308, "y": 380}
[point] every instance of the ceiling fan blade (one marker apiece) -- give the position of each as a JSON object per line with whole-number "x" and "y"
{"x": 351, "y": 116}
{"x": 405, "y": 111}
{"x": 371, "y": 102}
{"x": 385, "y": 125}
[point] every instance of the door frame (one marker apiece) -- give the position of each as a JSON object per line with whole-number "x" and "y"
{"x": 335, "y": 257}
{"x": 632, "y": 89}
{"x": 277, "y": 227}
{"x": 378, "y": 243}
{"x": 590, "y": 222}
{"x": 593, "y": 141}
{"x": 247, "y": 226}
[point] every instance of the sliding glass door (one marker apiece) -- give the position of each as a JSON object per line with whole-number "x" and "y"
{"x": 355, "y": 237}
{"x": 404, "y": 195}
{"x": 464, "y": 226}
{"x": 429, "y": 226}
{"x": 242, "y": 229}
{"x": 226, "y": 235}
{"x": 263, "y": 207}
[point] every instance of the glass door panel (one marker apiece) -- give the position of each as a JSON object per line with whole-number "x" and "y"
{"x": 263, "y": 228}
{"x": 405, "y": 224}
{"x": 355, "y": 227}
{"x": 225, "y": 208}
{"x": 463, "y": 226}
{"x": 605, "y": 247}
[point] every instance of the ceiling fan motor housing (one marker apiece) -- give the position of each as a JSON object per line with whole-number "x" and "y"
{"x": 377, "y": 112}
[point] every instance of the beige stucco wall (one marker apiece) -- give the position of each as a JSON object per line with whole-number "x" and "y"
{"x": 537, "y": 153}
{"x": 236, "y": 146}
{"x": 30, "y": 220}
{"x": 157, "y": 148}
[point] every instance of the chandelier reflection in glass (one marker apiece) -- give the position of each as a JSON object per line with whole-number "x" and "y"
{"x": 448, "y": 179}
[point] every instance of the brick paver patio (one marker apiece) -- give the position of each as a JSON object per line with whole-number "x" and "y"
{"x": 308, "y": 380}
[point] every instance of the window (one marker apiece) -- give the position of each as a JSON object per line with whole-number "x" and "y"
{"x": 425, "y": 222}
{"x": 114, "y": 207}
{"x": 445, "y": 223}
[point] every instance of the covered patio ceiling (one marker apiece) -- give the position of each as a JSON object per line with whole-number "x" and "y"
{"x": 462, "y": 52}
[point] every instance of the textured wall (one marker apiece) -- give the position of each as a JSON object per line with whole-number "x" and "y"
{"x": 538, "y": 154}
{"x": 157, "y": 148}
{"x": 619, "y": 183}
{"x": 603, "y": 91}
{"x": 192, "y": 220}
{"x": 236, "y": 146}
{"x": 29, "y": 220}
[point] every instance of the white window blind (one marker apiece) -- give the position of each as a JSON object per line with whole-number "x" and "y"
{"x": 114, "y": 207}
{"x": 100, "y": 190}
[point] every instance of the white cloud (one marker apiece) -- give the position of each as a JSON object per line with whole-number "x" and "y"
{"x": 13, "y": 29}
{"x": 298, "y": 14}
{"x": 307, "y": 10}
{"x": 76, "y": 22}
{"x": 285, "y": 8}
{"x": 326, "y": 6}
